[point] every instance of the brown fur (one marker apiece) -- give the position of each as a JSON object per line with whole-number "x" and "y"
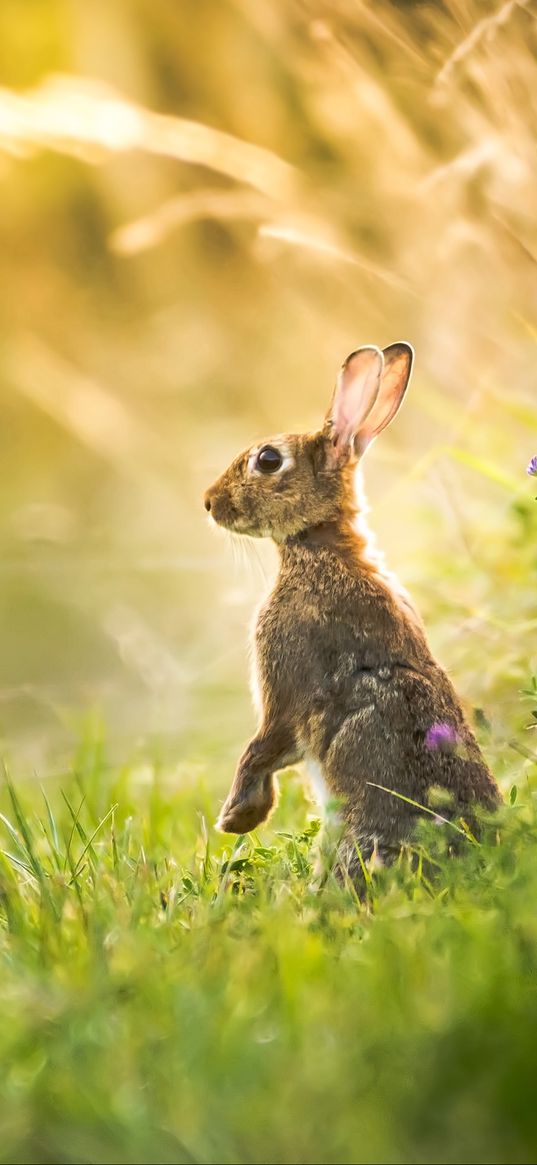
{"x": 344, "y": 669}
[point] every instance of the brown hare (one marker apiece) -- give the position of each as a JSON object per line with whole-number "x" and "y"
{"x": 342, "y": 673}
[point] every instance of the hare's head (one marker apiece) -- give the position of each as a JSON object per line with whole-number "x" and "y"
{"x": 286, "y": 484}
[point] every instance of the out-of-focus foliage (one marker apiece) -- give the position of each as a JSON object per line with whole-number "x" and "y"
{"x": 204, "y": 208}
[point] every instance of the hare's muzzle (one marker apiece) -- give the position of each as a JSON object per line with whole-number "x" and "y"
{"x": 210, "y": 501}
{"x": 219, "y": 505}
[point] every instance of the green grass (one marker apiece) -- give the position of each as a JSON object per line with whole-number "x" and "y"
{"x": 169, "y": 996}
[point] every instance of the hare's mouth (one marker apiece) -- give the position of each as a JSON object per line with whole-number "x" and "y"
{"x": 233, "y": 523}
{"x": 223, "y": 512}
{"x": 239, "y": 526}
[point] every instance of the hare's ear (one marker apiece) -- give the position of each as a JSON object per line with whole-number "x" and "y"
{"x": 356, "y": 391}
{"x": 398, "y": 360}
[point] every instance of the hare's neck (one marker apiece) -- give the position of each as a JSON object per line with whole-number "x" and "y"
{"x": 349, "y": 539}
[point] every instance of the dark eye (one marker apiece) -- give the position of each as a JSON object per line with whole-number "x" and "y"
{"x": 269, "y": 460}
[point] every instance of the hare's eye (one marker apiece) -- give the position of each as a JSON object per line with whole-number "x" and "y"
{"x": 269, "y": 459}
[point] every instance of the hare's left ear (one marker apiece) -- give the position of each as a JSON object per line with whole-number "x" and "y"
{"x": 398, "y": 360}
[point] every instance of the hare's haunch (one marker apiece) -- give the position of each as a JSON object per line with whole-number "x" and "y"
{"x": 345, "y": 675}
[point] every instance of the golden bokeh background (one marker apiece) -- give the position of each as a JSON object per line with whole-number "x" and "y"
{"x": 204, "y": 207}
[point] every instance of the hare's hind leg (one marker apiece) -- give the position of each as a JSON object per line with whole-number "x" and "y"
{"x": 367, "y": 767}
{"x": 343, "y": 850}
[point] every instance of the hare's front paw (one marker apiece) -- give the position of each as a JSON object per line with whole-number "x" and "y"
{"x": 245, "y": 809}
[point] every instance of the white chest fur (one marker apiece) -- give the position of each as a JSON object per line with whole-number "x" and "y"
{"x": 317, "y": 781}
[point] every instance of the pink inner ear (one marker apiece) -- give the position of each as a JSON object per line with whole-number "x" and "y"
{"x": 394, "y": 382}
{"x": 355, "y": 394}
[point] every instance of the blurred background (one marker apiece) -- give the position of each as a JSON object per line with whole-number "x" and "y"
{"x": 204, "y": 207}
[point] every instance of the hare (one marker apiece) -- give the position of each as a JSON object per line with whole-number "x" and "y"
{"x": 343, "y": 672}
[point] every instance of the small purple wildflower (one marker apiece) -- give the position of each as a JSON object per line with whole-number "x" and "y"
{"x": 441, "y": 736}
{"x": 532, "y": 467}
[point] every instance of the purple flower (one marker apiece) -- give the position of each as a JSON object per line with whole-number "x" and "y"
{"x": 532, "y": 467}
{"x": 441, "y": 736}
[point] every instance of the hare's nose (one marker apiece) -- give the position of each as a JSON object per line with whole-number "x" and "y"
{"x": 207, "y": 503}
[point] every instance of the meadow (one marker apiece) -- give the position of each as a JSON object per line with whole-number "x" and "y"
{"x": 204, "y": 208}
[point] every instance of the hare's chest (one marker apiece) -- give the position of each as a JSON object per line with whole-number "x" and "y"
{"x": 256, "y": 682}
{"x": 277, "y": 651}
{"x": 261, "y": 650}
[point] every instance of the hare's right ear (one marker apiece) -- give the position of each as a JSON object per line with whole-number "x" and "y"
{"x": 356, "y": 391}
{"x": 398, "y": 361}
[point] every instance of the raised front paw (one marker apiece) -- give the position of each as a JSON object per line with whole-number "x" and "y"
{"x": 243, "y": 810}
